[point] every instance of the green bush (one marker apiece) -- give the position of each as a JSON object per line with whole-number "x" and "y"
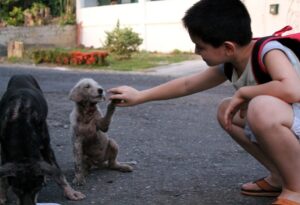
{"x": 122, "y": 42}
{"x": 67, "y": 19}
{"x": 15, "y": 17}
{"x": 37, "y": 14}
{"x": 38, "y": 8}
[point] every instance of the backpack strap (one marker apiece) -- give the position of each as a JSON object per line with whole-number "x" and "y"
{"x": 291, "y": 41}
{"x": 228, "y": 69}
{"x": 261, "y": 75}
{"x": 258, "y": 68}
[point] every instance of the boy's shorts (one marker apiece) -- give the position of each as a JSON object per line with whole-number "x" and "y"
{"x": 295, "y": 126}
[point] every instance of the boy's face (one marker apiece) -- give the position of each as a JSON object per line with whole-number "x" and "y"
{"x": 211, "y": 55}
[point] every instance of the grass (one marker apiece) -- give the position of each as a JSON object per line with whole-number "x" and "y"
{"x": 138, "y": 62}
{"x": 144, "y": 60}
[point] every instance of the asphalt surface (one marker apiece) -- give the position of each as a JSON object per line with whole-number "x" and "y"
{"x": 183, "y": 156}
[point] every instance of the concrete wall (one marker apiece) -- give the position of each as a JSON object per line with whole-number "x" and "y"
{"x": 51, "y": 35}
{"x": 159, "y": 22}
{"x": 265, "y": 23}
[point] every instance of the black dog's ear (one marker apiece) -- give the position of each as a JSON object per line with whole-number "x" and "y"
{"x": 75, "y": 94}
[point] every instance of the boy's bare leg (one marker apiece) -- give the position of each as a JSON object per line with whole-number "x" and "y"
{"x": 271, "y": 120}
{"x": 237, "y": 133}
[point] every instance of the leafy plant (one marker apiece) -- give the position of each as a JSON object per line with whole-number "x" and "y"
{"x": 37, "y": 14}
{"x": 67, "y": 19}
{"x": 122, "y": 41}
{"x": 15, "y": 17}
{"x": 7, "y": 6}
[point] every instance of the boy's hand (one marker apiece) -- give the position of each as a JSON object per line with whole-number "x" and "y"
{"x": 124, "y": 96}
{"x": 236, "y": 104}
{"x": 243, "y": 111}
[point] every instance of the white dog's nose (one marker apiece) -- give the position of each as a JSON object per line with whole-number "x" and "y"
{"x": 100, "y": 91}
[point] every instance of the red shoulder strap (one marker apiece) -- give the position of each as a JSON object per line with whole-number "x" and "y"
{"x": 261, "y": 75}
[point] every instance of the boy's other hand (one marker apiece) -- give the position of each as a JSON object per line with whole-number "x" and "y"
{"x": 234, "y": 106}
{"x": 123, "y": 96}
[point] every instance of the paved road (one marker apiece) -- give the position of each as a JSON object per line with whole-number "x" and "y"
{"x": 183, "y": 156}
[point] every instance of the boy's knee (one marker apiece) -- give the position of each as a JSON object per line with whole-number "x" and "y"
{"x": 260, "y": 110}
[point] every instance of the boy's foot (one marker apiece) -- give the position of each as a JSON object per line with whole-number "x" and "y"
{"x": 260, "y": 187}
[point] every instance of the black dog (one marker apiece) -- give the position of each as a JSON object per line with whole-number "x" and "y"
{"x": 26, "y": 155}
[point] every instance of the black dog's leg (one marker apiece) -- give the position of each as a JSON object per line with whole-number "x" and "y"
{"x": 60, "y": 179}
{"x": 3, "y": 190}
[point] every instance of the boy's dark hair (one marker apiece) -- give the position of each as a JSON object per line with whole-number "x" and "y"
{"x": 217, "y": 21}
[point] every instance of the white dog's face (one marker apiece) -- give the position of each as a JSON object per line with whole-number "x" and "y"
{"x": 87, "y": 90}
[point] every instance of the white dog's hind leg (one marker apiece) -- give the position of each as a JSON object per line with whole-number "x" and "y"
{"x": 112, "y": 158}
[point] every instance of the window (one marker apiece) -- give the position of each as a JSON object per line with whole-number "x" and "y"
{"x": 109, "y": 2}
{"x": 128, "y": 1}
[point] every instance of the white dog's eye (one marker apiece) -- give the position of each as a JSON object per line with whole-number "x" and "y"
{"x": 87, "y": 86}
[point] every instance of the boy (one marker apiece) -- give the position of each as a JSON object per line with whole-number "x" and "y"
{"x": 262, "y": 118}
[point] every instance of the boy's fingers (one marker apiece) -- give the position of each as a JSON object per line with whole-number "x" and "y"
{"x": 228, "y": 117}
{"x": 115, "y": 97}
{"x": 115, "y": 93}
{"x": 118, "y": 90}
{"x": 114, "y": 90}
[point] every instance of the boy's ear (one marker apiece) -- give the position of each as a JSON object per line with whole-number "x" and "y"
{"x": 230, "y": 47}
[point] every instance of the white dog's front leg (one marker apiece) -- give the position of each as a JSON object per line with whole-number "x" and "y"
{"x": 78, "y": 161}
{"x": 104, "y": 122}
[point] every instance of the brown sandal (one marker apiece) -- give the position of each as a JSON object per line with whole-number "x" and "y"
{"x": 265, "y": 189}
{"x": 282, "y": 201}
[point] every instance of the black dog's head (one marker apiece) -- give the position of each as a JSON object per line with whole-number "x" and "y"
{"x": 23, "y": 132}
{"x": 27, "y": 179}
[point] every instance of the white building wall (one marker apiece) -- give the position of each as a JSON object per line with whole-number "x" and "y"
{"x": 265, "y": 23}
{"x": 159, "y": 22}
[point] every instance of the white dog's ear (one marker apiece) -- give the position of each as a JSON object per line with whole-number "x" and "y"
{"x": 75, "y": 95}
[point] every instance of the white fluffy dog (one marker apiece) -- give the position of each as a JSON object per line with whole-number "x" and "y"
{"x": 92, "y": 147}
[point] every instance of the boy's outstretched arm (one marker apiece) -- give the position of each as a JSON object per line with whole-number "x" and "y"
{"x": 129, "y": 96}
